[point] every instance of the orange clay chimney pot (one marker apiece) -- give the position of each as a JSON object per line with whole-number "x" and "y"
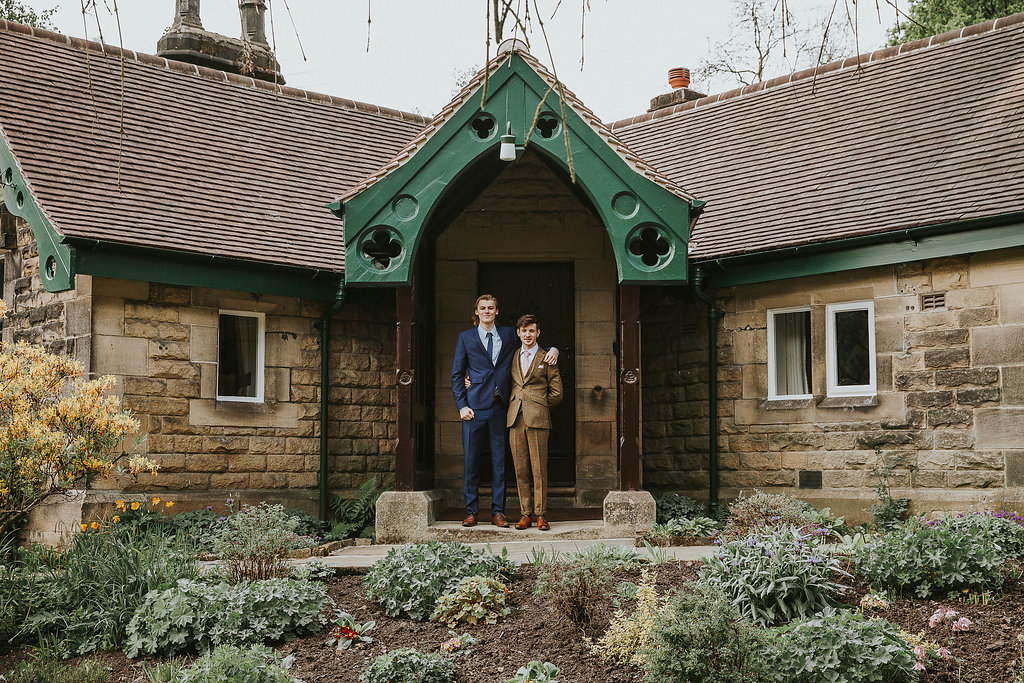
{"x": 678, "y": 78}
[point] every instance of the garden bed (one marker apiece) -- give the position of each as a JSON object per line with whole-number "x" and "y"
{"x": 986, "y": 652}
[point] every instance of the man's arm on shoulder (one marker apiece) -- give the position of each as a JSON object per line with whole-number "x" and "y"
{"x": 554, "y": 386}
{"x": 551, "y": 357}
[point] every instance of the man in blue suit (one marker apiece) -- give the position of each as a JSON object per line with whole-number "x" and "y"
{"x": 483, "y": 355}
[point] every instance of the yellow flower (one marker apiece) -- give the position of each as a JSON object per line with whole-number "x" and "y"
{"x": 156, "y": 501}
{"x": 135, "y": 506}
{"x": 120, "y": 505}
{"x": 84, "y": 527}
{"x": 115, "y": 519}
{"x": 95, "y": 525}
{"x": 169, "y": 503}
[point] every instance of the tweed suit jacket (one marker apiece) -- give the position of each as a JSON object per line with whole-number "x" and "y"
{"x": 535, "y": 394}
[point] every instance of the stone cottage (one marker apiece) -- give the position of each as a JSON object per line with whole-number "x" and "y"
{"x": 777, "y": 287}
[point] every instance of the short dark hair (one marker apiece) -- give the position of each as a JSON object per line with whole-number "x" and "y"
{"x": 528, "y": 319}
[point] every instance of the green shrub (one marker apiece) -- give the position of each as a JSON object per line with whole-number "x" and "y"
{"x": 254, "y": 543}
{"x": 764, "y": 511}
{"x": 411, "y": 579}
{"x": 841, "y": 646}
{"x": 934, "y": 559}
{"x": 197, "y": 616}
{"x": 314, "y": 570}
{"x": 613, "y": 556}
{"x": 355, "y": 517}
{"x": 40, "y": 670}
{"x": 629, "y": 634}
{"x": 200, "y": 526}
{"x": 695, "y": 526}
{"x": 536, "y": 672}
{"x": 700, "y": 638}
{"x": 228, "y": 664}
{"x": 676, "y": 506}
{"x": 1005, "y": 528}
{"x": 475, "y": 600}
{"x": 576, "y": 584}
{"x": 80, "y": 599}
{"x": 776, "y": 576}
{"x": 888, "y": 512}
{"x": 409, "y": 666}
{"x": 306, "y": 524}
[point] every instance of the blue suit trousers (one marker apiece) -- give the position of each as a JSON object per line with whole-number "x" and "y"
{"x": 487, "y": 424}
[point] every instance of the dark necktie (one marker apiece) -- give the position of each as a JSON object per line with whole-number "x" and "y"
{"x": 490, "y": 347}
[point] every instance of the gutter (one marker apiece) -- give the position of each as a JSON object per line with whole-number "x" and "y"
{"x": 325, "y": 338}
{"x": 714, "y": 314}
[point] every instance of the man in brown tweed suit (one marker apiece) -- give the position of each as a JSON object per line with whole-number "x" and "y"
{"x": 536, "y": 388}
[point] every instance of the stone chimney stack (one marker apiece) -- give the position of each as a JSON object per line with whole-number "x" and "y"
{"x": 187, "y": 41}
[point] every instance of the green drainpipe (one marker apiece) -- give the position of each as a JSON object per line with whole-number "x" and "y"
{"x": 325, "y": 338}
{"x": 714, "y": 313}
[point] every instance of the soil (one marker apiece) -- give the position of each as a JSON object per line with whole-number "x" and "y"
{"x": 986, "y": 653}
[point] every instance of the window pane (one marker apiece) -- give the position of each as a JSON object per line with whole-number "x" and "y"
{"x": 792, "y": 353}
{"x": 236, "y": 371}
{"x": 853, "y": 361}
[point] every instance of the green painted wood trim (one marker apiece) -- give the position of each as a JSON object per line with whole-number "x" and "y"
{"x": 175, "y": 268}
{"x": 56, "y": 262}
{"x": 918, "y": 244}
{"x": 402, "y": 203}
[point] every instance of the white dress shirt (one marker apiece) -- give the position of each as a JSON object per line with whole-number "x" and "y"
{"x": 526, "y": 358}
{"x": 496, "y": 339}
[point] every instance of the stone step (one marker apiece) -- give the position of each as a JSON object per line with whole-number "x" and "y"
{"x": 485, "y": 532}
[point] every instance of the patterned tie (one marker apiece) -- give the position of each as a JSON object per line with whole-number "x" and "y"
{"x": 490, "y": 347}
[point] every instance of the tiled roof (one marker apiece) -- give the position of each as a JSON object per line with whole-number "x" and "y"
{"x": 571, "y": 101}
{"x": 925, "y": 133}
{"x": 212, "y": 163}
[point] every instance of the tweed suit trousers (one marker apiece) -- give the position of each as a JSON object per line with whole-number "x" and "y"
{"x": 530, "y": 455}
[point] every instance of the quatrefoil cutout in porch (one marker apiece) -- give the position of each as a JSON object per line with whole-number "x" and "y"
{"x": 649, "y": 246}
{"x": 381, "y": 248}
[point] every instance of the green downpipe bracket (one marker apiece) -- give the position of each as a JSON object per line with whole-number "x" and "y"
{"x": 325, "y": 339}
{"x": 56, "y": 260}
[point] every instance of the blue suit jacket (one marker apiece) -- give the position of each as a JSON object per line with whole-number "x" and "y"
{"x": 471, "y": 357}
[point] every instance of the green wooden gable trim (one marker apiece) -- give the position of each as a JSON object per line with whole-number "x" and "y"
{"x": 56, "y": 263}
{"x": 198, "y": 270}
{"x": 903, "y": 246}
{"x": 389, "y": 218}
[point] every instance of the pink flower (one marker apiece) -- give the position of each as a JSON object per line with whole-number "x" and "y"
{"x": 962, "y": 624}
{"x": 920, "y": 651}
{"x": 943, "y": 652}
{"x": 918, "y": 666}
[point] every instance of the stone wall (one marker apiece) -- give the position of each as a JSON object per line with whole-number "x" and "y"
{"x": 160, "y": 342}
{"x": 949, "y": 407}
{"x": 529, "y": 214}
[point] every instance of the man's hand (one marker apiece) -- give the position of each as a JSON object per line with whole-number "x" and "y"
{"x": 466, "y": 413}
{"x": 468, "y": 383}
{"x": 551, "y": 357}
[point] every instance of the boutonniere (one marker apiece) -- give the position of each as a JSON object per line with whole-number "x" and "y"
{"x": 540, "y": 366}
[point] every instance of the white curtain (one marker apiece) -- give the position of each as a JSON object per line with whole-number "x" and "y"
{"x": 791, "y": 347}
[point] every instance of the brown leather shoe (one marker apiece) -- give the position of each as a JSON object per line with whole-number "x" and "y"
{"x": 542, "y": 524}
{"x": 498, "y": 519}
{"x": 523, "y": 523}
{"x": 470, "y": 520}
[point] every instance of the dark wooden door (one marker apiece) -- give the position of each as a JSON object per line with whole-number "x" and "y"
{"x": 547, "y": 290}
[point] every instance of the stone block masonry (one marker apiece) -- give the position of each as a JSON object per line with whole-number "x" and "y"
{"x": 948, "y": 407}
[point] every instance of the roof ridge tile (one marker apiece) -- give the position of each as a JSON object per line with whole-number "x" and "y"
{"x": 857, "y": 61}
{"x": 217, "y": 75}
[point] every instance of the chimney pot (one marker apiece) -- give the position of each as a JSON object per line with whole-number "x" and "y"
{"x": 253, "y": 27}
{"x": 678, "y": 78}
{"x": 186, "y": 13}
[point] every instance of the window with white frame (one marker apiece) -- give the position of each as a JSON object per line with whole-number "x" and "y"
{"x": 240, "y": 352}
{"x": 789, "y": 353}
{"x": 850, "y": 348}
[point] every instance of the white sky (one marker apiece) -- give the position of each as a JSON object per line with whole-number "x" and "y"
{"x": 416, "y": 46}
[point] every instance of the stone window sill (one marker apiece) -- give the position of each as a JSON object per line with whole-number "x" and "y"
{"x": 849, "y": 401}
{"x": 787, "y": 403}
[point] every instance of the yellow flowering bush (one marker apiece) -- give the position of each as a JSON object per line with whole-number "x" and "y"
{"x": 56, "y": 428}
{"x": 629, "y": 635}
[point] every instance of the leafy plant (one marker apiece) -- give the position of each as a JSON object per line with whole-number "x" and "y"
{"x": 699, "y": 637}
{"x": 457, "y": 643}
{"x": 410, "y": 666}
{"x": 933, "y": 559}
{"x": 44, "y": 670}
{"x": 776, "y": 576}
{"x": 314, "y": 570}
{"x": 254, "y": 543}
{"x": 764, "y": 511}
{"x": 56, "y": 427}
{"x": 475, "y": 600}
{"x": 80, "y": 599}
{"x": 888, "y": 512}
{"x": 348, "y": 632}
{"x": 613, "y": 556}
{"x": 576, "y": 584}
{"x": 536, "y": 672}
{"x": 228, "y": 664}
{"x": 696, "y": 526}
{"x": 356, "y": 517}
{"x": 1005, "y": 528}
{"x": 838, "y": 646}
{"x": 306, "y": 524}
{"x": 201, "y": 526}
{"x": 196, "y": 616}
{"x": 410, "y": 579}
{"x": 676, "y": 506}
{"x": 629, "y": 635}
